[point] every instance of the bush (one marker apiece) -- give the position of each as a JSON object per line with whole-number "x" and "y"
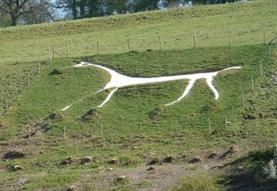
{"x": 270, "y": 170}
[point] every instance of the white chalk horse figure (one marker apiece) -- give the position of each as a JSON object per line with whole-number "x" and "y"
{"x": 119, "y": 80}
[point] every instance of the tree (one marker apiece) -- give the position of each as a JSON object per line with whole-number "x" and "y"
{"x": 77, "y": 9}
{"x": 13, "y": 8}
{"x": 69, "y": 6}
{"x": 38, "y": 11}
{"x": 4, "y": 20}
{"x": 28, "y": 11}
{"x": 143, "y": 5}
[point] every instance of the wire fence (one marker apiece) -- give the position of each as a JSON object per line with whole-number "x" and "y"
{"x": 227, "y": 120}
{"x": 186, "y": 40}
{"x": 88, "y": 45}
{"x": 10, "y": 99}
{"x": 94, "y": 45}
{"x": 194, "y": 40}
{"x": 159, "y": 42}
{"x": 258, "y": 75}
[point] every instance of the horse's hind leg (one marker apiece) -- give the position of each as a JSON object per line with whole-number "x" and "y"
{"x": 186, "y": 92}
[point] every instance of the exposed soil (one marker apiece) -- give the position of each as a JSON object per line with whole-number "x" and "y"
{"x": 160, "y": 175}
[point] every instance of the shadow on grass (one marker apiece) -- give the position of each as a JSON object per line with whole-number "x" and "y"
{"x": 245, "y": 173}
{"x": 248, "y": 181}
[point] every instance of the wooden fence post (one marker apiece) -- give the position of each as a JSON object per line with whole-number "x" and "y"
{"x": 128, "y": 42}
{"x": 209, "y": 123}
{"x": 140, "y": 130}
{"x": 261, "y": 69}
{"x": 50, "y": 53}
{"x": 66, "y": 50}
{"x": 233, "y": 110}
{"x": 226, "y": 123}
{"x": 28, "y": 80}
{"x": 29, "y": 133}
{"x": 39, "y": 68}
{"x": 144, "y": 43}
{"x": 6, "y": 106}
{"x": 229, "y": 41}
{"x": 252, "y": 84}
{"x": 101, "y": 130}
{"x": 53, "y": 53}
{"x": 243, "y": 99}
{"x": 160, "y": 42}
{"x": 64, "y": 133}
{"x": 194, "y": 40}
{"x": 111, "y": 138}
{"x": 97, "y": 47}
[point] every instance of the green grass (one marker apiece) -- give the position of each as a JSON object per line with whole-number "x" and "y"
{"x": 50, "y": 93}
{"x": 201, "y": 182}
{"x": 13, "y": 79}
{"x": 244, "y": 21}
{"x": 136, "y": 117}
{"x": 134, "y": 124}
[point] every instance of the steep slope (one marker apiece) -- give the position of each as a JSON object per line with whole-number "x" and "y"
{"x": 136, "y": 116}
{"x": 135, "y": 127}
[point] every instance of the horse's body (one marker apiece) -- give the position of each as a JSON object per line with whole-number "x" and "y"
{"x": 119, "y": 80}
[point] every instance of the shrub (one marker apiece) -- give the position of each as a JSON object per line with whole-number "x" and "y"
{"x": 270, "y": 169}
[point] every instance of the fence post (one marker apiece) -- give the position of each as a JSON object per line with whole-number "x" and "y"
{"x": 111, "y": 139}
{"x": 194, "y": 40}
{"x": 243, "y": 99}
{"x": 264, "y": 37}
{"x": 39, "y": 68}
{"x": 53, "y": 53}
{"x": 140, "y": 130}
{"x": 252, "y": 84}
{"x": 129, "y": 47}
{"x": 50, "y": 55}
{"x": 226, "y": 123}
{"x": 6, "y": 106}
{"x": 97, "y": 47}
{"x": 229, "y": 41}
{"x": 144, "y": 43}
{"x": 261, "y": 69}
{"x": 209, "y": 123}
{"x": 175, "y": 130}
{"x": 28, "y": 80}
{"x": 160, "y": 42}
{"x": 64, "y": 133}
{"x": 29, "y": 134}
{"x": 66, "y": 50}
{"x": 233, "y": 110}
{"x": 101, "y": 130}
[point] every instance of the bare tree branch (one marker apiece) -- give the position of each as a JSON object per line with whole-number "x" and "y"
{"x": 18, "y": 9}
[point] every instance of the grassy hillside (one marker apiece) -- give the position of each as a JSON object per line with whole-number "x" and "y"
{"x": 135, "y": 127}
{"x": 136, "y": 117}
{"x": 211, "y": 24}
{"x": 52, "y": 92}
{"x": 13, "y": 79}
